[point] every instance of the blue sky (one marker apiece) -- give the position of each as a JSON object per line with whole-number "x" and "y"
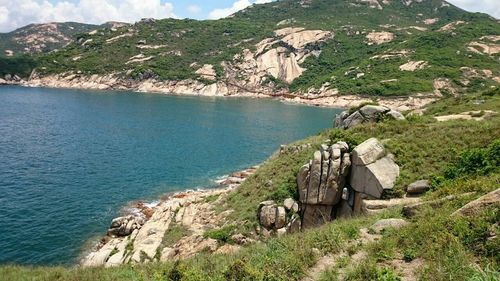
{"x": 18, "y": 13}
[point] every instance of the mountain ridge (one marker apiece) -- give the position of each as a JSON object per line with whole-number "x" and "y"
{"x": 310, "y": 48}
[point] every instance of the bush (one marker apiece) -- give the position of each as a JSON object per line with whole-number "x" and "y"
{"x": 475, "y": 161}
{"x": 222, "y": 234}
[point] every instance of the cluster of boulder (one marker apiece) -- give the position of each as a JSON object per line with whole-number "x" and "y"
{"x": 124, "y": 226}
{"x": 294, "y": 148}
{"x": 10, "y": 79}
{"x": 332, "y": 185}
{"x": 365, "y": 114}
{"x": 279, "y": 219}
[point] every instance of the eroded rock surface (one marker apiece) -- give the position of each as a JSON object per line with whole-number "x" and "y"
{"x": 367, "y": 113}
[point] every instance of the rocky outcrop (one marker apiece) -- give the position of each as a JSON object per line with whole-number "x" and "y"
{"x": 207, "y": 71}
{"x": 413, "y": 65}
{"x": 124, "y": 226}
{"x": 277, "y": 219}
{"x": 475, "y": 207}
{"x": 378, "y": 38}
{"x": 279, "y": 57}
{"x": 140, "y": 238}
{"x": 335, "y": 182}
{"x": 373, "y": 172}
{"x": 322, "y": 184}
{"x": 367, "y": 113}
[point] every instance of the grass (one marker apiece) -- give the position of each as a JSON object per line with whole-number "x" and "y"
{"x": 451, "y": 248}
{"x": 173, "y": 234}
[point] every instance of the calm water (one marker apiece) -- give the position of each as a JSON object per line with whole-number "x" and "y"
{"x": 69, "y": 160}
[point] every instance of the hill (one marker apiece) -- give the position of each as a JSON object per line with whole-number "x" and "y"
{"x": 313, "y": 48}
{"x": 442, "y": 238}
{"x": 43, "y": 38}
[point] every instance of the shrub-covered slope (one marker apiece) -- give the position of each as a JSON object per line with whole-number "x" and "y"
{"x": 457, "y": 156}
{"x": 371, "y": 42}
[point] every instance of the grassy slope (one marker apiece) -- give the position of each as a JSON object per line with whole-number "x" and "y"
{"x": 451, "y": 249}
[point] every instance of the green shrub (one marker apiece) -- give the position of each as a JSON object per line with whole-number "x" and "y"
{"x": 222, "y": 234}
{"x": 475, "y": 161}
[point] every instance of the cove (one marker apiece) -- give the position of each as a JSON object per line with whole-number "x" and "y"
{"x": 70, "y": 159}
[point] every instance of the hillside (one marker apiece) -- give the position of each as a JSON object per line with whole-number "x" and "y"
{"x": 439, "y": 239}
{"x": 313, "y": 48}
{"x": 43, "y": 38}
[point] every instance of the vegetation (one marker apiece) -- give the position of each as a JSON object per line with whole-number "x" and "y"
{"x": 346, "y": 61}
{"x": 459, "y": 156}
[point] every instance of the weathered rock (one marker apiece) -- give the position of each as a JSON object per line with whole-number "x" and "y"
{"x": 294, "y": 225}
{"x": 267, "y": 216}
{"x": 124, "y": 226}
{"x": 395, "y": 115}
{"x": 281, "y": 231}
{"x": 476, "y": 206}
{"x": 288, "y": 203}
{"x": 374, "y": 178}
{"x": 280, "y": 220}
{"x": 353, "y": 120}
{"x": 418, "y": 187}
{"x": 167, "y": 254}
{"x": 344, "y": 210}
{"x": 368, "y": 152}
{"x": 367, "y": 113}
{"x": 241, "y": 239}
{"x": 383, "y": 224}
{"x": 372, "y": 112}
{"x": 316, "y": 215}
{"x": 415, "y": 209}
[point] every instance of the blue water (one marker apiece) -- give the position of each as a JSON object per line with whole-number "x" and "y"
{"x": 70, "y": 159}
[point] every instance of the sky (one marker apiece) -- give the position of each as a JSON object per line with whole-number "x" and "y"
{"x": 18, "y": 13}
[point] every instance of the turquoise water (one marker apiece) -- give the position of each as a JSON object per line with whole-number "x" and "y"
{"x": 70, "y": 159}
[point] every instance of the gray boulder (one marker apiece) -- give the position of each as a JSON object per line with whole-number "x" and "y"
{"x": 367, "y": 113}
{"x": 374, "y": 178}
{"x": 368, "y": 152}
{"x": 418, "y": 187}
{"x": 373, "y": 112}
{"x": 280, "y": 220}
{"x": 267, "y": 216}
{"x": 383, "y": 224}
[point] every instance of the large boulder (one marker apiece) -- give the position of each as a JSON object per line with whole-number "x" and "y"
{"x": 321, "y": 181}
{"x": 367, "y": 113}
{"x": 372, "y": 171}
{"x": 368, "y": 152}
{"x": 124, "y": 226}
{"x": 374, "y": 178}
{"x": 267, "y": 216}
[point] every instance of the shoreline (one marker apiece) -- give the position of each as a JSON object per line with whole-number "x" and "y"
{"x": 327, "y": 99}
{"x": 121, "y": 245}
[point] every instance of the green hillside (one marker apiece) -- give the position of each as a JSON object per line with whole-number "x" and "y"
{"x": 460, "y": 157}
{"x": 173, "y": 49}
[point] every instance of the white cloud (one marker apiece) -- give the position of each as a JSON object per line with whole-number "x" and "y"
{"x": 194, "y": 9}
{"x": 4, "y": 15}
{"x": 491, "y": 7}
{"x": 237, "y": 6}
{"x": 23, "y": 12}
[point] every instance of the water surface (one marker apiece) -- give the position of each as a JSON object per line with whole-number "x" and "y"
{"x": 70, "y": 159}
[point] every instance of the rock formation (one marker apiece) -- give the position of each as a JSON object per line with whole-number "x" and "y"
{"x": 278, "y": 219}
{"x": 367, "y": 113}
{"x": 335, "y": 182}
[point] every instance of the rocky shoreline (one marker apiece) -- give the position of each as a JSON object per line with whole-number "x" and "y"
{"x": 142, "y": 234}
{"x": 326, "y": 98}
